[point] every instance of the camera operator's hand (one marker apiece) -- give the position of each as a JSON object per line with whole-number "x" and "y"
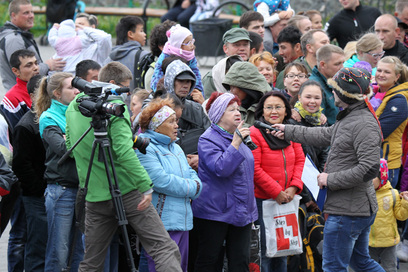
{"x": 146, "y": 199}
{"x": 236, "y": 140}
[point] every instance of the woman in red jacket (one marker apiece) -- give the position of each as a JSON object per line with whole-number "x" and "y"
{"x": 278, "y": 166}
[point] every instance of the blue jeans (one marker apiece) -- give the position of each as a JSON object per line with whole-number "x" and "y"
{"x": 17, "y": 237}
{"x": 60, "y": 206}
{"x": 178, "y": 14}
{"x": 346, "y": 243}
{"x": 278, "y": 264}
{"x": 36, "y": 233}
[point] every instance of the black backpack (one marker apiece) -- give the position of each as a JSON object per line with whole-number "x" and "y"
{"x": 141, "y": 67}
{"x": 311, "y": 225}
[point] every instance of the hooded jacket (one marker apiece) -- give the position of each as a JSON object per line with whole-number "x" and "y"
{"x": 174, "y": 69}
{"x": 384, "y": 231}
{"x": 246, "y": 76}
{"x": 12, "y": 39}
{"x": 125, "y": 54}
{"x": 193, "y": 116}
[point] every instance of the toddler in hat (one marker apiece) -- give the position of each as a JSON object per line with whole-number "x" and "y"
{"x": 392, "y": 206}
{"x": 180, "y": 43}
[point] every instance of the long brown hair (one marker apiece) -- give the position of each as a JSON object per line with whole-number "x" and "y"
{"x": 46, "y": 91}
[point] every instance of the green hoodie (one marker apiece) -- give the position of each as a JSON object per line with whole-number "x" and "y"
{"x": 245, "y": 75}
{"x": 131, "y": 175}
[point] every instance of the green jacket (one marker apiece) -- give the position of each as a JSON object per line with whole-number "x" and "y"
{"x": 131, "y": 175}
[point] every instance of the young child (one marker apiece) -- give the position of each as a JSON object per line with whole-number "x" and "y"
{"x": 67, "y": 43}
{"x": 72, "y": 42}
{"x": 273, "y": 10}
{"x": 180, "y": 43}
{"x": 392, "y": 206}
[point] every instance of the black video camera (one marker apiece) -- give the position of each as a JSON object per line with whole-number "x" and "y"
{"x": 95, "y": 102}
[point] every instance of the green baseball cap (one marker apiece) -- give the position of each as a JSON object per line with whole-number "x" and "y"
{"x": 236, "y": 34}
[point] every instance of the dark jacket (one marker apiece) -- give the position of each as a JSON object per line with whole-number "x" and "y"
{"x": 348, "y": 25}
{"x": 399, "y": 50}
{"x": 29, "y": 156}
{"x": 7, "y": 177}
{"x": 353, "y": 161}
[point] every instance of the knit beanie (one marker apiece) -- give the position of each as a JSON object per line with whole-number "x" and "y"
{"x": 363, "y": 65}
{"x": 67, "y": 29}
{"x": 177, "y": 34}
{"x": 219, "y": 106}
{"x": 383, "y": 173}
{"x": 351, "y": 84}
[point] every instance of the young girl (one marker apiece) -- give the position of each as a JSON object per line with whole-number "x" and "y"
{"x": 392, "y": 206}
{"x": 180, "y": 43}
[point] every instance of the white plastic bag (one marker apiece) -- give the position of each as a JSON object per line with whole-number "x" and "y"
{"x": 282, "y": 232}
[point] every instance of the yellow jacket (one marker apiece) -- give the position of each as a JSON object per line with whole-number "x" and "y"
{"x": 384, "y": 232}
{"x": 392, "y": 145}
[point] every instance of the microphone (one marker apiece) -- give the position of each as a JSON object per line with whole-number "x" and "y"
{"x": 119, "y": 91}
{"x": 260, "y": 125}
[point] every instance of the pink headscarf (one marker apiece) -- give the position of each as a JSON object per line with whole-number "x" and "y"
{"x": 176, "y": 35}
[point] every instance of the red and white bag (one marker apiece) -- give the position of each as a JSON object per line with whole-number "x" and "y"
{"x": 282, "y": 228}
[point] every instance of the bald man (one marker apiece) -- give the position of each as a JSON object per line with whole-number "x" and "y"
{"x": 386, "y": 28}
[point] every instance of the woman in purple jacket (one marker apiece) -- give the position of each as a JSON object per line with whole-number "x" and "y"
{"x": 226, "y": 209}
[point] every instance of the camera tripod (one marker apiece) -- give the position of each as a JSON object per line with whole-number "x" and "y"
{"x": 99, "y": 123}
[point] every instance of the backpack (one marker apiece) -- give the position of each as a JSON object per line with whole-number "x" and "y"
{"x": 140, "y": 68}
{"x": 311, "y": 225}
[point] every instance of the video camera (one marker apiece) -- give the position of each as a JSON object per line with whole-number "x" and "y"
{"x": 96, "y": 101}
{"x": 95, "y": 104}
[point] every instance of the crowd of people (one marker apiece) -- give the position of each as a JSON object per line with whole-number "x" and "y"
{"x": 193, "y": 192}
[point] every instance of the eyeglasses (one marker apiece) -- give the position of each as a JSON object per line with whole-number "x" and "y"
{"x": 299, "y": 76}
{"x": 377, "y": 55}
{"x": 191, "y": 42}
{"x": 277, "y": 108}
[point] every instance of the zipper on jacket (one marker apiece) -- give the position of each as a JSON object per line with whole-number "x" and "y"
{"x": 284, "y": 165}
{"x": 182, "y": 175}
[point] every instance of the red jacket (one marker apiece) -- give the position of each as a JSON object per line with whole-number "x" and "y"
{"x": 276, "y": 170}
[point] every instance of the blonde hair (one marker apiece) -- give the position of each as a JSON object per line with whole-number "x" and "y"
{"x": 368, "y": 42}
{"x": 45, "y": 92}
{"x": 399, "y": 67}
{"x": 350, "y": 49}
{"x": 264, "y": 56}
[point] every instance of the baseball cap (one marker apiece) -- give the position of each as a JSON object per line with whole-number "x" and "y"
{"x": 236, "y": 34}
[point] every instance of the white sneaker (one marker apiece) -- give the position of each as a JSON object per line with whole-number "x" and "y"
{"x": 402, "y": 251}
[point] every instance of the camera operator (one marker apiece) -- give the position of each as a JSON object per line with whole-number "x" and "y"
{"x": 134, "y": 183}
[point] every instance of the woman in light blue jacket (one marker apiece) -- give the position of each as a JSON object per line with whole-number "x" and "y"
{"x": 175, "y": 183}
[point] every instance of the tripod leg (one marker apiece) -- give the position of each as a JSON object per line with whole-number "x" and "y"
{"x": 117, "y": 202}
{"x": 81, "y": 210}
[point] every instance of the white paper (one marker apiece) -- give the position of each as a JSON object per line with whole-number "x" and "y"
{"x": 309, "y": 177}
